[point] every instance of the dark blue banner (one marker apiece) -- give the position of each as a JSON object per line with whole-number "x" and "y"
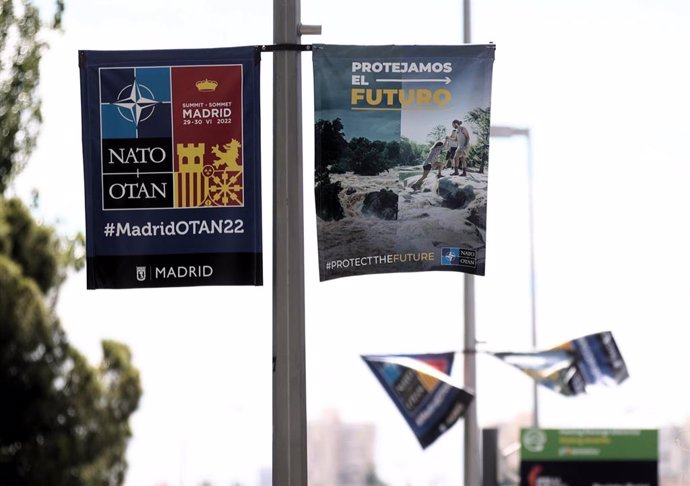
{"x": 171, "y": 144}
{"x": 421, "y": 388}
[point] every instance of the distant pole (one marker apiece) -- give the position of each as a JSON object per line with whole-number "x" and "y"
{"x": 289, "y": 379}
{"x": 490, "y": 454}
{"x": 466, "y": 22}
{"x": 505, "y": 132}
{"x": 532, "y": 284}
{"x": 472, "y": 459}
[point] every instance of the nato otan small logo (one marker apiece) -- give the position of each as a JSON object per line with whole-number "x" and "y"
{"x": 459, "y": 256}
{"x": 450, "y": 256}
{"x": 141, "y": 274}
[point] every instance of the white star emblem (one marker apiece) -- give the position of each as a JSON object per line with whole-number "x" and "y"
{"x": 136, "y": 103}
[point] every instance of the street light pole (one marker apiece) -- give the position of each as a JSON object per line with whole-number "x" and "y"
{"x": 506, "y": 132}
{"x": 289, "y": 376}
{"x": 472, "y": 460}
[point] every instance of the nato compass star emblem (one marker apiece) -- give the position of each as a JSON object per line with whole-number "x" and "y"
{"x": 450, "y": 256}
{"x": 136, "y": 103}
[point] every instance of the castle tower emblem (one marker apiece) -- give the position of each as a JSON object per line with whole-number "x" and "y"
{"x": 202, "y": 184}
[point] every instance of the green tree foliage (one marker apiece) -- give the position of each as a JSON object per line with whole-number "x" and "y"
{"x": 391, "y": 153}
{"x": 439, "y": 132}
{"x": 31, "y": 245}
{"x": 479, "y": 120}
{"x": 43, "y": 255}
{"x": 63, "y": 421}
{"x": 334, "y": 155}
{"x": 410, "y": 152}
{"x": 20, "y": 108}
{"x": 328, "y": 205}
{"x": 330, "y": 146}
{"x": 368, "y": 158}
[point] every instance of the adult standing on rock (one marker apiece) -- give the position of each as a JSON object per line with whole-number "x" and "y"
{"x": 462, "y": 138}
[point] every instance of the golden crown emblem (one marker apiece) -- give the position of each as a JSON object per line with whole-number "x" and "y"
{"x": 206, "y": 85}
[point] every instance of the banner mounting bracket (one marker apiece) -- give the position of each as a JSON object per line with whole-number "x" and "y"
{"x": 286, "y": 47}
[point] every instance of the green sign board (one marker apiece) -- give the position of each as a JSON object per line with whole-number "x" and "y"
{"x": 583, "y": 457}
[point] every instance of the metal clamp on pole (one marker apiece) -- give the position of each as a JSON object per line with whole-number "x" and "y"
{"x": 285, "y": 47}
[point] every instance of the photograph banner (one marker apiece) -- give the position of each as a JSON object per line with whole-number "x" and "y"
{"x": 599, "y": 360}
{"x": 556, "y": 370}
{"x": 171, "y": 143}
{"x": 401, "y": 158}
{"x": 574, "y": 365}
{"x": 421, "y": 388}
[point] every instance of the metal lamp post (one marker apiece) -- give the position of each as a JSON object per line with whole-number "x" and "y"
{"x": 289, "y": 380}
{"x": 506, "y": 132}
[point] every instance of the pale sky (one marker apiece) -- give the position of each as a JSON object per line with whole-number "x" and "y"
{"x": 603, "y": 88}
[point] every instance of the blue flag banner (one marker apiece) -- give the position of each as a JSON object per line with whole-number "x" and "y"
{"x": 401, "y": 158}
{"x": 573, "y": 366}
{"x": 172, "y": 167}
{"x": 421, "y": 388}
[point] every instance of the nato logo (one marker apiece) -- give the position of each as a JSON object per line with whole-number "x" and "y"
{"x": 135, "y": 103}
{"x": 450, "y": 256}
{"x": 459, "y": 256}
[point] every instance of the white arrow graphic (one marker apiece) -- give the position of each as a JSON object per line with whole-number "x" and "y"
{"x": 445, "y": 80}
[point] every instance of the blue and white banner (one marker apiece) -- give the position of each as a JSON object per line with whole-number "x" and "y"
{"x": 401, "y": 158}
{"x": 423, "y": 391}
{"x": 575, "y": 365}
{"x": 172, "y": 167}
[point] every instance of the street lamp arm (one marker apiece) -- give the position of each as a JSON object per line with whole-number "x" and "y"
{"x": 498, "y": 131}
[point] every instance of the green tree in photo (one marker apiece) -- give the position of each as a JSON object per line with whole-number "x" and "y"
{"x": 330, "y": 156}
{"x": 330, "y": 146}
{"x": 367, "y": 156}
{"x": 63, "y": 422}
{"x": 439, "y": 132}
{"x": 479, "y": 120}
{"x": 392, "y": 154}
{"x": 410, "y": 152}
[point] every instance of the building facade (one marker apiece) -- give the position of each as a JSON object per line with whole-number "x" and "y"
{"x": 340, "y": 454}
